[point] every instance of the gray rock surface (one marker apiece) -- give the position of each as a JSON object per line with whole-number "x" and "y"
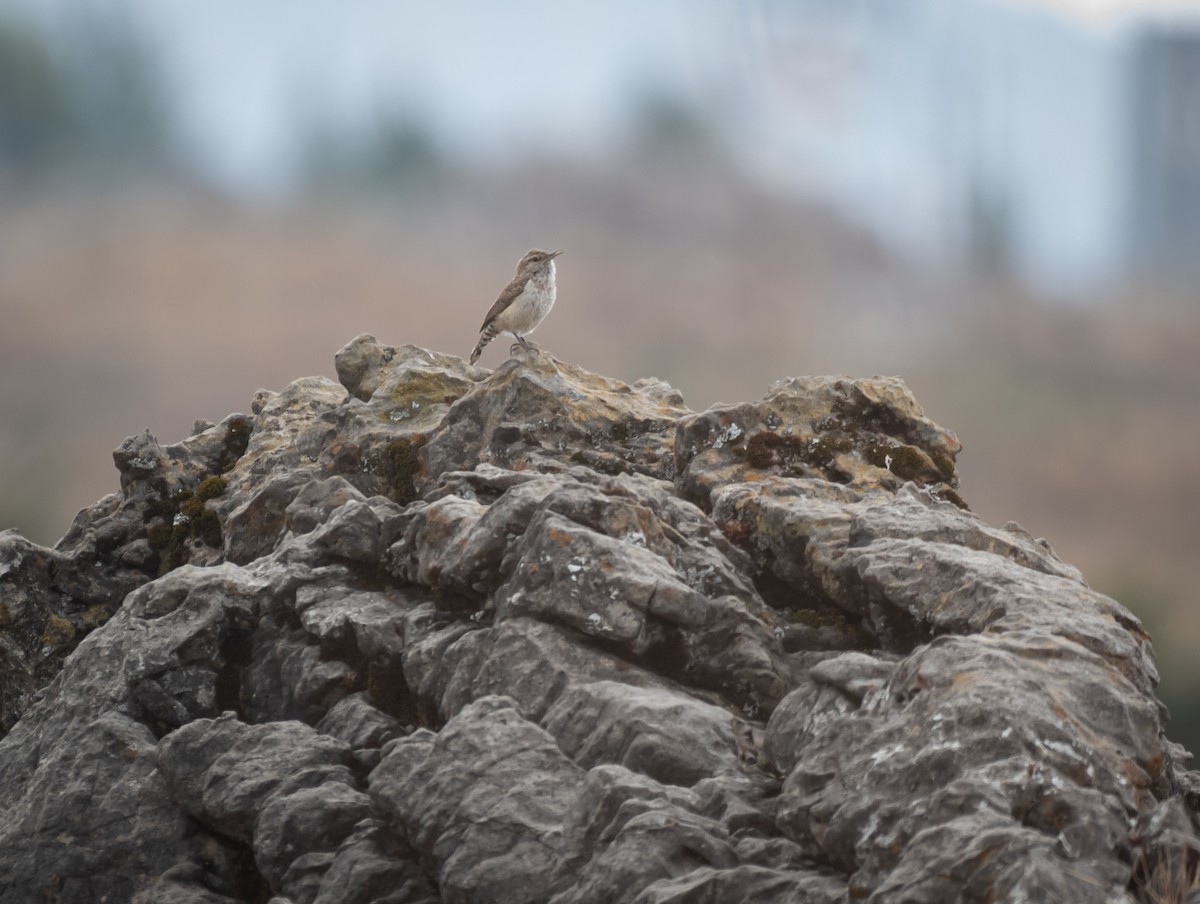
{"x": 444, "y": 634}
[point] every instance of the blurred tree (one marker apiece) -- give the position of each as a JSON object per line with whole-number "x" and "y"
{"x": 90, "y": 107}
{"x": 37, "y": 120}
{"x": 664, "y": 124}
{"x": 119, "y": 96}
{"x": 989, "y": 231}
{"x": 396, "y": 155}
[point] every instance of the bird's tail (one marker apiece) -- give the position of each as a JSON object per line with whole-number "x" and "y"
{"x": 488, "y": 334}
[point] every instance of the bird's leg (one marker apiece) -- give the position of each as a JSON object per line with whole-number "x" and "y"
{"x": 521, "y": 340}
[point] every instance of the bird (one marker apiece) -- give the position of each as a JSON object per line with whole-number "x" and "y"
{"x": 524, "y": 303}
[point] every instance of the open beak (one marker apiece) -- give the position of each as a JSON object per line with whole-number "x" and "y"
{"x": 553, "y": 255}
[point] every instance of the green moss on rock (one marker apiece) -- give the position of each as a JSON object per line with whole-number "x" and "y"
{"x": 906, "y": 462}
{"x": 795, "y": 453}
{"x": 95, "y": 616}
{"x": 158, "y": 536}
{"x": 186, "y": 517}
{"x": 401, "y": 464}
{"x": 58, "y": 633}
{"x": 237, "y": 438}
{"x": 203, "y": 523}
{"x": 814, "y": 618}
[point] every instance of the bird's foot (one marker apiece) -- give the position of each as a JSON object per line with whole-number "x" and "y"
{"x": 523, "y": 343}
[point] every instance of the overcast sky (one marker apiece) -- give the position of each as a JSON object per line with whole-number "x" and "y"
{"x": 496, "y": 79}
{"x": 885, "y": 108}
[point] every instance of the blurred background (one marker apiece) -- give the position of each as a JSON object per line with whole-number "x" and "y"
{"x": 998, "y": 201}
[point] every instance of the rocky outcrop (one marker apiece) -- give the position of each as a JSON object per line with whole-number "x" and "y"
{"x": 437, "y": 633}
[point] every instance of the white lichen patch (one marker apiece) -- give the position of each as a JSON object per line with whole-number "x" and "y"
{"x": 870, "y": 827}
{"x": 635, "y": 538}
{"x": 11, "y": 564}
{"x": 877, "y": 700}
{"x": 1065, "y": 750}
{"x": 728, "y": 435}
{"x": 885, "y": 753}
{"x": 403, "y": 413}
{"x": 698, "y": 578}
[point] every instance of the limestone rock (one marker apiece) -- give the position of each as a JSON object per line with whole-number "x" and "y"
{"x": 539, "y": 413}
{"x": 50, "y": 599}
{"x": 862, "y": 433}
{"x": 444, "y": 634}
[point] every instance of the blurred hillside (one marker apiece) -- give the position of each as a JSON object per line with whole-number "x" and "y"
{"x": 135, "y": 293}
{"x": 132, "y": 311}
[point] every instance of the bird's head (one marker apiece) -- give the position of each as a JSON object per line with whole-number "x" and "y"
{"x": 536, "y": 259}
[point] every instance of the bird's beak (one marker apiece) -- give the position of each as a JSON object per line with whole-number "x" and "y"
{"x": 553, "y": 255}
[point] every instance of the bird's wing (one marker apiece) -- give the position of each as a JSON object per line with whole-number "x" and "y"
{"x": 511, "y": 291}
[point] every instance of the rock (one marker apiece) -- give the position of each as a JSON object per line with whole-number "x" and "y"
{"x": 666, "y": 736}
{"x": 539, "y": 413}
{"x": 192, "y": 884}
{"x": 483, "y": 800}
{"x": 86, "y": 813}
{"x": 528, "y": 660}
{"x": 358, "y": 723}
{"x": 222, "y": 771}
{"x": 289, "y": 430}
{"x": 439, "y": 633}
{"x": 861, "y": 433}
{"x": 373, "y": 865}
{"x": 50, "y": 599}
{"x": 299, "y": 820}
{"x": 287, "y": 676}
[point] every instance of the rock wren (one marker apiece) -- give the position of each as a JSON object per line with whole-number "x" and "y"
{"x": 524, "y": 303}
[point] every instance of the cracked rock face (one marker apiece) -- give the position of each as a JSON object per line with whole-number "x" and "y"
{"x": 444, "y": 634}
